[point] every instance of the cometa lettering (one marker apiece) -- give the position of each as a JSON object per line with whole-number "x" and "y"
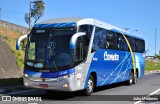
{"x": 112, "y": 57}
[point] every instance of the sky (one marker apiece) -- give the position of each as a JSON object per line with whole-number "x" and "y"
{"x": 141, "y": 15}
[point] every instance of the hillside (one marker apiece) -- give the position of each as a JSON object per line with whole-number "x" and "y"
{"x": 10, "y": 38}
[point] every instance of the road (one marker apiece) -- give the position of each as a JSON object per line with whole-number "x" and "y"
{"x": 121, "y": 92}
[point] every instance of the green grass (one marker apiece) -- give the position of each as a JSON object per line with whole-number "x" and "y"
{"x": 150, "y": 65}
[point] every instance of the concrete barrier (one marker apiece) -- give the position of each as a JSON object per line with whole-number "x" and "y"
{"x": 14, "y": 27}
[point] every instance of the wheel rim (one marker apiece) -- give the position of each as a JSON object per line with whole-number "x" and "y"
{"x": 90, "y": 85}
{"x": 135, "y": 78}
{"x": 131, "y": 78}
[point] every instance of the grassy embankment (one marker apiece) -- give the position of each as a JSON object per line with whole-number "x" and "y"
{"x": 10, "y": 38}
{"x": 150, "y": 65}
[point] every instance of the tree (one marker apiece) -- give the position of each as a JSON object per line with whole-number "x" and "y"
{"x": 157, "y": 56}
{"x": 36, "y": 13}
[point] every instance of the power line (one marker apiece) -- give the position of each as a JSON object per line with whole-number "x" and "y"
{"x": 12, "y": 18}
{"x": 11, "y": 11}
{"x": 9, "y": 14}
{"x": 12, "y": 14}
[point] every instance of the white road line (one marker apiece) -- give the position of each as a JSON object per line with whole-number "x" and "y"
{"x": 148, "y": 95}
{"x": 155, "y": 92}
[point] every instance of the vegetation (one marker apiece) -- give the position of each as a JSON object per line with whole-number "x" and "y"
{"x": 151, "y": 65}
{"x": 37, "y": 12}
{"x": 10, "y": 38}
{"x": 157, "y": 56}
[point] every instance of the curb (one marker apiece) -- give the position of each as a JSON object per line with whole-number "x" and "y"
{"x": 153, "y": 71}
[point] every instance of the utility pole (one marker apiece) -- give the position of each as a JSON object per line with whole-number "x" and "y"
{"x": 30, "y": 15}
{"x": 0, "y": 13}
{"x": 155, "y": 40}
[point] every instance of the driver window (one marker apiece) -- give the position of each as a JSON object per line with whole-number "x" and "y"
{"x": 31, "y": 52}
{"x": 80, "y": 49}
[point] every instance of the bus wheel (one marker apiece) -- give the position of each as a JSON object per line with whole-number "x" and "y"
{"x": 90, "y": 87}
{"x": 131, "y": 78}
{"x": 135, "y": 78}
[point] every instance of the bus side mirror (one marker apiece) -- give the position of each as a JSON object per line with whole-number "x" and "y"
{"x": 18, "y": 42}
{"x": 74, "y": 39}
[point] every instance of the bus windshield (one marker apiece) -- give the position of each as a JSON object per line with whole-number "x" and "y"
{"x": 50, "y": 48}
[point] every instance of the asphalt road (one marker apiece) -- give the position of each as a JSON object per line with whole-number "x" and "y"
{"x": 120, "y": 92}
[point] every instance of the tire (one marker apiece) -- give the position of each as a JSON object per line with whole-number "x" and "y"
{"x": 90, "y": 87}
{"x": 135, "y": 78}
{"x": 131, "y": 78}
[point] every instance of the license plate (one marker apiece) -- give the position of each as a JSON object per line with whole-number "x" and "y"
{"x": 43, "y": 85}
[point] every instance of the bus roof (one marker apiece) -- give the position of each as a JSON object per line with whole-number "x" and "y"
{"x": 60, "y": 20}
{"x": 72, "y": 21}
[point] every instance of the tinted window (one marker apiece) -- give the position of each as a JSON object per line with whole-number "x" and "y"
{"x": 140, "y": 46}
{"x": 87, "y": 29}
{"x": 110, "y": 40}
{"x": 125, "y": 45}
{"x": 120, "y": 40}
{"x": 80, "y": 55}
{"x": 99, "y": 38}
{"x": 132, "y": 42}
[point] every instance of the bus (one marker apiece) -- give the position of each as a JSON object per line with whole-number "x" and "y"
{"x": 72, "y": 54}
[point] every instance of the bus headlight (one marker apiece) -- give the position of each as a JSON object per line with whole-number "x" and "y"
{"x": 26, "y": 75}
{"x": 65, "y": 76}
{"x": 38, "y": 65}
{"x": 30, "y": 63}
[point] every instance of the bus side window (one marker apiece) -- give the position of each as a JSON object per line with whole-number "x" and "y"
{"x": 132, "y": 43}
{"x": 87, "y": 29}
{"x": 125, "y": 45}
{"x": 110, "y": 40}
{"x": 140, "y": 46}
{"x": 120, "y": 40}
{"x": 99, "y": 38}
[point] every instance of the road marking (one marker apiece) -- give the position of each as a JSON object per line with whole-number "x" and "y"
{"x": 148, "y": 95}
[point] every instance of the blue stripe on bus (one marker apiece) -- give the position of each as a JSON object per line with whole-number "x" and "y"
{"x": 55, "y": 25}
{"x": 49, "y": 74}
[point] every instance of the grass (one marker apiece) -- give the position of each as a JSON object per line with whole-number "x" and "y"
{"x": 150, "y": 65}
{"x": 10, "y": 38}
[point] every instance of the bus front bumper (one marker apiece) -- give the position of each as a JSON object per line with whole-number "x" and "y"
{"x": 67, "y": 84}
